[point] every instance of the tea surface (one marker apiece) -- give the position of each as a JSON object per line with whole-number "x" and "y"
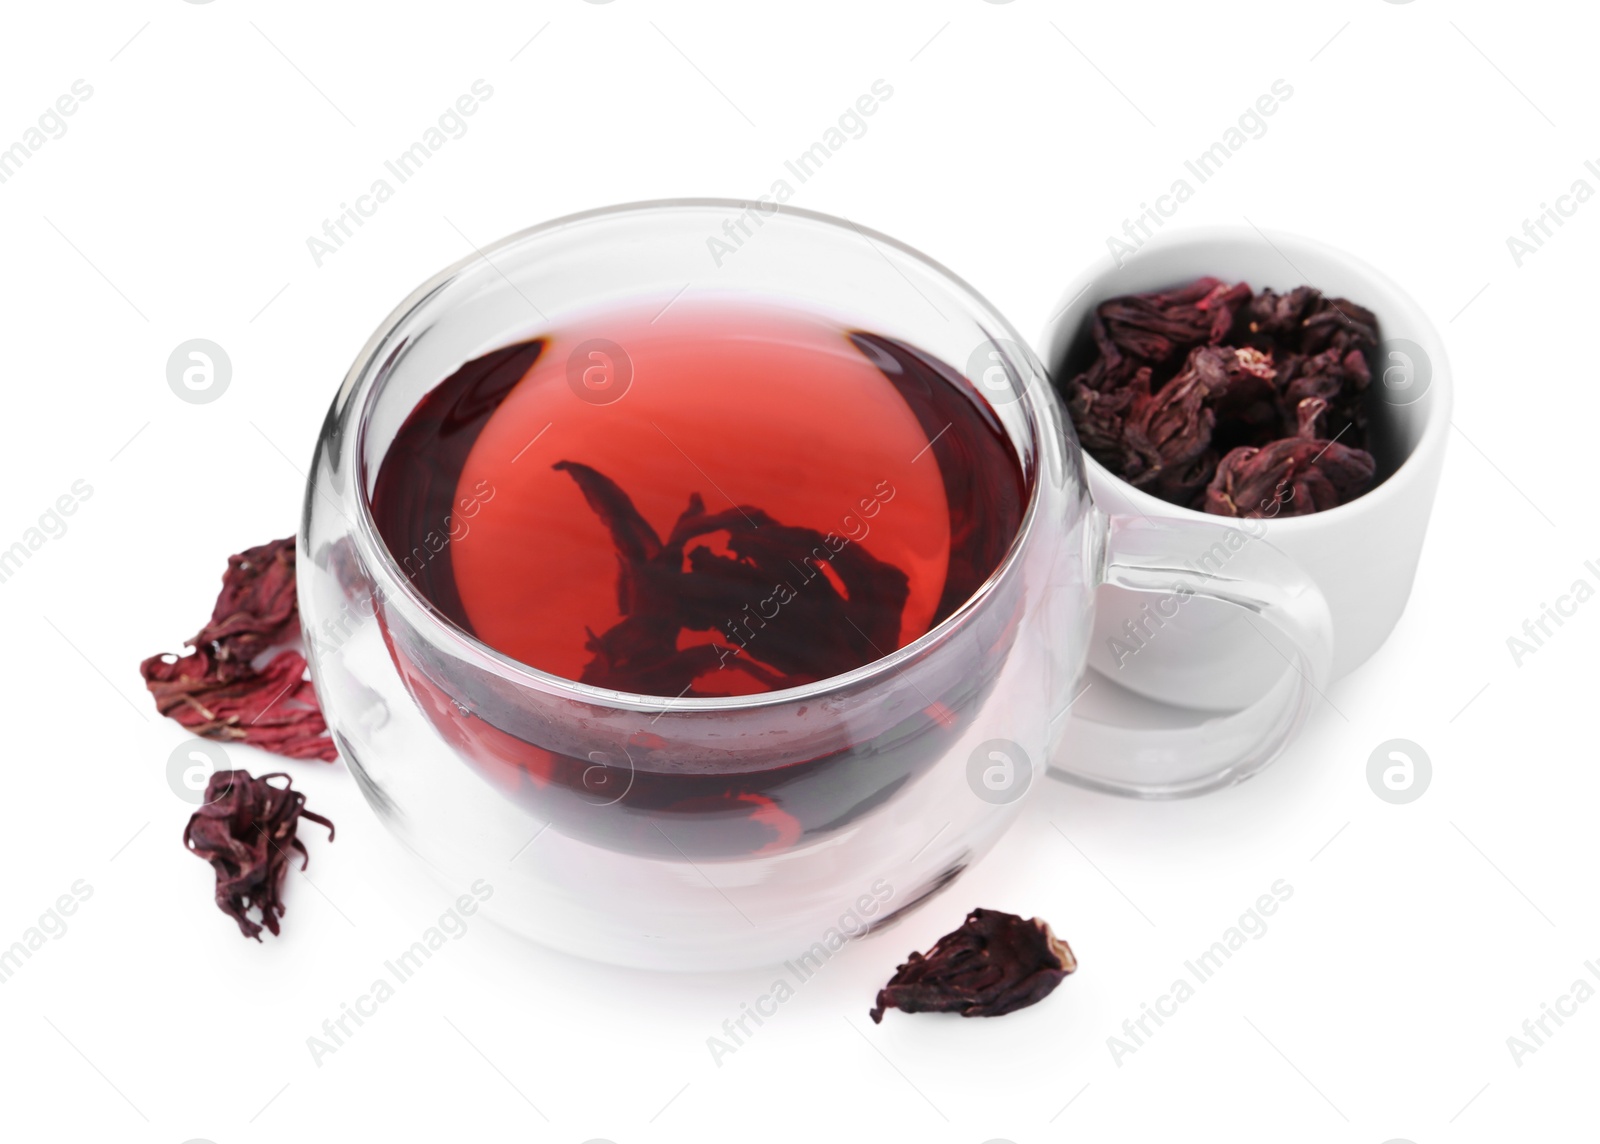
{"x": 715, "y": 498}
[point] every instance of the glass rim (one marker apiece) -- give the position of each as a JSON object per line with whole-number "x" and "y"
{"x": 384, "y": 566}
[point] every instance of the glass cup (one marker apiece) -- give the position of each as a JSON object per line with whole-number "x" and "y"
{"x": 706, "y": 833}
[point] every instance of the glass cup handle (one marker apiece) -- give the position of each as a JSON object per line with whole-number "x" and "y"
{"x": 1105, "y": 745}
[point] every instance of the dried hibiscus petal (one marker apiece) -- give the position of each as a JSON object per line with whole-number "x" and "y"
{"x": 1338, "y": 323}
{"x": 245, "y": 830}
{"x": 257, "y": 606}
{"x": 994, "y": 964}
{"x": 1168, "y": 432}
{"x": 1276, "y": 318}
{"x": 1340, "y": 379}
{"x": 218, "y": 692}
{"x": 1154, "y": 326}
{"x": 668, "y": 586}
{"x": 274, "y": 708}
{"x": 1292, "y": 477}
{"x": 1235, "y": 380}
{"x": 1100, "y": 417}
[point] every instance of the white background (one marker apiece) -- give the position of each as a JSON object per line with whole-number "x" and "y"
{"x": 1019, "y": 136}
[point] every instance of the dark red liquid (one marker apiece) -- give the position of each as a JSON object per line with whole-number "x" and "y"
{"x": 716, "y": 499}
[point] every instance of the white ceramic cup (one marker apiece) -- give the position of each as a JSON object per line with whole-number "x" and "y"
{"x": 1207, "y": 665}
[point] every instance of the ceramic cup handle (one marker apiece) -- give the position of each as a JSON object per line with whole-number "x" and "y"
{"x": 1104, "y": 745}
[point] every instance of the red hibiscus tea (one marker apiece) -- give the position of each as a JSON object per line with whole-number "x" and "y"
{"x": 689, "y": 499}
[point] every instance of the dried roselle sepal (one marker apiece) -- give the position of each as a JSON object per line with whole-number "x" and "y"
{"x": 1202, "y": 310}
{"x": 1292, "y": 477}
{"x": 1237, "y": 382}
{"x": 1340, "y": 380}
{"x": 218, "y": 692}
{"x": 1305, "y": 322}
{"x": 996, "y": 963}
{"x": 1273, "y": 318}
{"x": 1100, "y": 418}
{"x": 1321, "y": 376}
{"x": 1154, "y": 326}
{"x": 1190, "y": 294}
{"x": 1135, "y": 338}
{"x": 257, "y": 606}
{"x": 1220, "y": 304}
{"x": 1110, "y": 375}
{"x": 245, "y": 829}
{"x": 1187, "y": 485}
{"x": 274, "y": 708}
{"x": 1168, "y": 432}
{"x": 1339, "y": 324}
{"x": 1109, "y": 357}
{"x": 824, "y": 631}
{"x": 1139, "y": 330}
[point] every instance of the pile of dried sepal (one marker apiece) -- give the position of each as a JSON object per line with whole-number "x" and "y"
{"x": 1239, "y": 404}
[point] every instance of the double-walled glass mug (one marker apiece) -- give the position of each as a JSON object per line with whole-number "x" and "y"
{"x": 706, "y": 833}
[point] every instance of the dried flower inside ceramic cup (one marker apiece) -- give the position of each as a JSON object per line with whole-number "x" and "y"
{"x": 1189, "y": 390}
